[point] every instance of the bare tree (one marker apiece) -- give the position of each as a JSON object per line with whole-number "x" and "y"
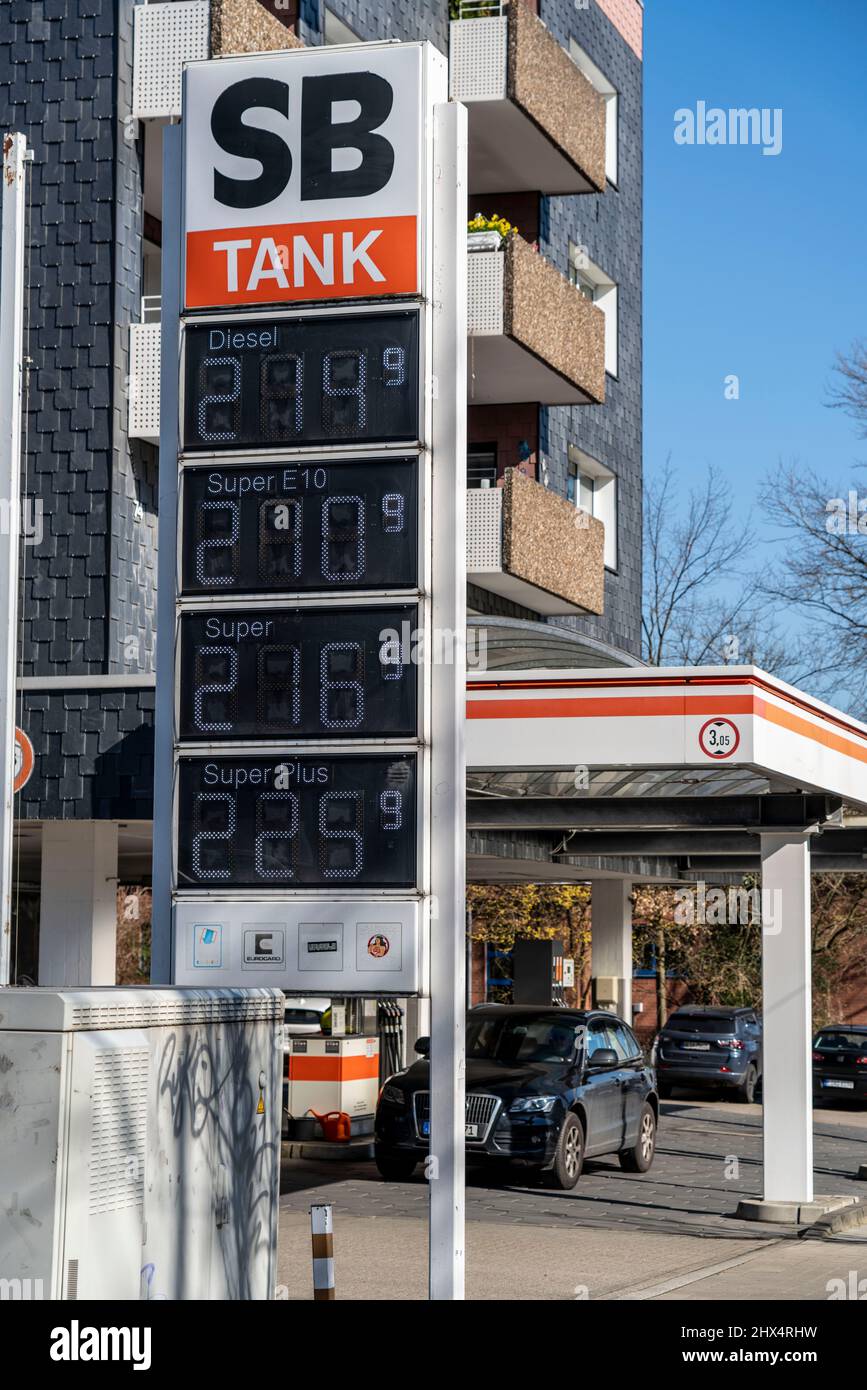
{"x": 700, "y": 606}
{"x": 849, "y": 391}
{"x": 822, "y": 576}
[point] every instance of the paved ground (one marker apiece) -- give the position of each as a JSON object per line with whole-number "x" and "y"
{"x": 666, "y": 1234}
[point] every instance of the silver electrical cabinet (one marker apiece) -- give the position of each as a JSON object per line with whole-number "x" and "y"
{"x": 139, "y": 1143}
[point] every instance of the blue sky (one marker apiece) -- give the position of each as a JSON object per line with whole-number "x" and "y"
{"x": 754, "y": 265}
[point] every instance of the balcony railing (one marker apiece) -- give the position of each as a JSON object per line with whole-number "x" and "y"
{"x": 143, "y": 415}
{"x": 535, "y": 548}
{"x": 535, "y": 121}
{"x": 167, "y": 36}
{"x": 533, "y": 336}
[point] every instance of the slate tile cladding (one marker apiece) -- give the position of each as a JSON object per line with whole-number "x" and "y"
{"x": 609, "y": 226}
{"x": 87, "y": 589}
{"x": 95, "y": 755}
{"x": 87, "y": 593}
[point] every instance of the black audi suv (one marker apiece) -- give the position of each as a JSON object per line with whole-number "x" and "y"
{"x": 545, "y": 1087}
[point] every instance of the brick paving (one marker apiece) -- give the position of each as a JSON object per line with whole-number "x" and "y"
{"x": 707, "y": 1158}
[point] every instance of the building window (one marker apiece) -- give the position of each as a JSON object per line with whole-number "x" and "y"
{"x": 337, "y": 30}
{"x": 593, "y": 488}
{"x": 601, "y": 290}
{"x": 596, "y": 77}
{"x": 482, "y": 465}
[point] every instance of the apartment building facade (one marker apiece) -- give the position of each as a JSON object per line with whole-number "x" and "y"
{"x": 554, "y": 90}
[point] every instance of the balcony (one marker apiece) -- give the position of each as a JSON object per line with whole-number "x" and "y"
{"x": 533, "y": 336}
{"x": 535, "y": 548}
{"x": 535, "y": 121}
{"x": 168, "y": 35}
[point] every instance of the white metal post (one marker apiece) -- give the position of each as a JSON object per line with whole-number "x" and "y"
{"x": 612, "y": 940}
{"x": 787, "y": 1120}
{"x": 448, "y": 700}
{"x": 11, "y": 397}
{"x": 161, "y": 945}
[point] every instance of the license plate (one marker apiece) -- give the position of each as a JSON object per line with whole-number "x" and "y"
{"x": 840, "y": 1085}
{"x": 470, "y": 1131}
{"x": 696, "y": 1047}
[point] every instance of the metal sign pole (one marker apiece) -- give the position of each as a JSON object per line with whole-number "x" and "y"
{"x": 15, "y": 156}
{"x": 161, "y": 931}
{"x": 448, "y": 701}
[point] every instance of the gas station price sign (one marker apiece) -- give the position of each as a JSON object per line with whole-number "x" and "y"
{"x": 311, "y": 381}
{"x": 332, "y": 821}
{"x": 308, "y": 525}
{"x": 267, "y": 673}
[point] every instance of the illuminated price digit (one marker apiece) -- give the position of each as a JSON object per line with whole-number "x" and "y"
{"x": 215, "y": 815}
{"x": 216, "y": 557}
{"x": 280, "y": 541}
{"x": 281, "y": 395}
{"x": 274, "y": 843}
{"x": 210, "y": 662}
{"x": 394, "y": 366}
{"x": 341, "y": 846}
{"x": 341, "y": 693}
{"x": 343, "y": 550}
{"x": 220, "y": 404}
{"x": 391, "y": 810}
{"x": 279, "y": 687}
{"x": 344, "y": 383}
{"x": 393, "y": 513}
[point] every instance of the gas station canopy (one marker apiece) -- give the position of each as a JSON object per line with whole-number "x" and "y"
{"x": 660, "y": 773}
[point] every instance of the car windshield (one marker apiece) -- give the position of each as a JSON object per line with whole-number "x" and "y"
{"x": 301, "y": 1016}
{"x": 701, "y": 1023}
{"x": 839, "y": 1041}
{"x": 516, "y": 1040}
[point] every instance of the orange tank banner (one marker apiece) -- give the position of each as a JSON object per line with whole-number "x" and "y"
{"x": 332, "y": 1068}
{"x": 356, "y": 258}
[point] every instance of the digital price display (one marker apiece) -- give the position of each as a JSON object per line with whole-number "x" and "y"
{"x": 295, "y": 527}
{"x": 298, "y": 673}
{"x": 271, "y": 382}
{"x": 297, "y": 822}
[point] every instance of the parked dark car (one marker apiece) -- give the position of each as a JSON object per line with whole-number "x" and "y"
{"x": 545, "y": 1087}
{"x": 709, "y": 1046}
{"x": 840, "y": 1063}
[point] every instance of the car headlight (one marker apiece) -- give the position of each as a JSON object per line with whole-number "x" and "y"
{"x": 534, "y": 1105}
{"x": 392, "y": 1095}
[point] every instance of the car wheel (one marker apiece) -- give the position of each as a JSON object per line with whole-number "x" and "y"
{"x": 746, "y": 1094}
{"x": 664, "y": 1089}
{"x": 393, "y": 1165}
{"x": 639, "y": 1158}
{"x": 569, "y": 1157}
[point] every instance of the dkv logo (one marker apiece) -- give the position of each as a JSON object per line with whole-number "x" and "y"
{"x": 302, "y": 176}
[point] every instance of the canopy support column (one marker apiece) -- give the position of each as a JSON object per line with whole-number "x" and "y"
{"x": 611, "y": 910}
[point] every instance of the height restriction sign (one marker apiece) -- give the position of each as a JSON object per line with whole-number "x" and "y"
{"x": 313, "y": 395}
